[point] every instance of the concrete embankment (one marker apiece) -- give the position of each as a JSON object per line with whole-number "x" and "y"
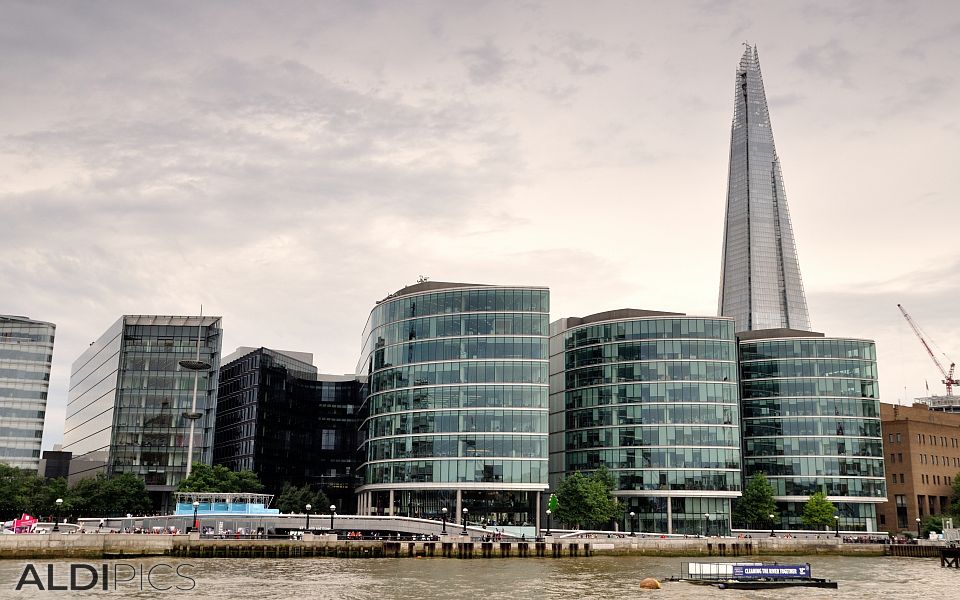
{"x": 132, "y": 545}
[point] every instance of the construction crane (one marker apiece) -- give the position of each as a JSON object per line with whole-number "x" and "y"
{"x": 948, "y": 379}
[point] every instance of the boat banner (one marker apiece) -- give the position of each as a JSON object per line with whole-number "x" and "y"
{"x": 771, "y": 571}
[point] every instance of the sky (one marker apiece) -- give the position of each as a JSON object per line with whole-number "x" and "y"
{"x": 288, "y": 164}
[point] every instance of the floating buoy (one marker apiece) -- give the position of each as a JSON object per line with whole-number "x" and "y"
{"x": 650, "y": 584}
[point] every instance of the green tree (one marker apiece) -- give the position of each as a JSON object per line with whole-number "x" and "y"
{"x": 293, "y": 499}
{"x": 218, "y": 478}
{"x": 954, "y": 509}
{"x": 818, "y": 511}
{"x": 756, "y": 505}
{"x": 931, "y": 523}
{"x": 103, "y": 496}
{"x": 587, "y": 502}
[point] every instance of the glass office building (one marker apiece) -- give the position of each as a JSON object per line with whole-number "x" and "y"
{"x": 456, "y": 403}
{"x": 811, "y": 422}
{"x": 652, "y": 397}
{"x": 128, "y": 398}
{"x": 277, "y": 417}
{"x": 760, "y": 278}
{"x": 26, "y": 350}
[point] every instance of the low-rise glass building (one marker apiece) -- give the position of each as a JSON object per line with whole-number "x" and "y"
{"x": 811, "y": 422}
{"x": 653, "y": 397}
{"x": 26, "y": 350}
{"x": 455, "y": 403}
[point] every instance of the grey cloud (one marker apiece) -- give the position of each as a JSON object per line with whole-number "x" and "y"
{"x": 485, "y": 64}
{"x": 829, "y": 61}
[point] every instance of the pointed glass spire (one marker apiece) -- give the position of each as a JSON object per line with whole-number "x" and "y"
{"x": 760, "y": 282}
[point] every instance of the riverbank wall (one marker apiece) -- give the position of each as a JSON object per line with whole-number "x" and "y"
{"x": 110, "y": 546}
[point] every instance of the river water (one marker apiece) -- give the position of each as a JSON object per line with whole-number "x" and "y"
{"x": 424, "y": 579}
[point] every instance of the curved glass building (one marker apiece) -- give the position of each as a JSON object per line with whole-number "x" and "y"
{"x": 455, "y": 409}
{"x": 652, "y": 397}
{"x": 811, "y": 422}
{"x": 26, "y": 351}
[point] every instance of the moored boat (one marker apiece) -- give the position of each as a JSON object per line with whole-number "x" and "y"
{"x": 751, "y": 576}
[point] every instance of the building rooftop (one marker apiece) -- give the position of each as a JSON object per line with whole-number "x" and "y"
{"x": 619, "y": 313}
{"x": 770, "y": 334}
{"x": 427, "y": 286}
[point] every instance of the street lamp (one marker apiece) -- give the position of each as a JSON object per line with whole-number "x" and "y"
{"x": 309, "y": 507}
{"x": 918, "y": 528}
{"x": 196, "y": 366}
{"x": 549, "y": 512}
{"x": 465, "y": 511}
{"x": 443, "y": 517}
{"x": 333, "y": 511}
{"x": 632, "y": 515}
{"x": 706, "y": 524}
{"x": 59, "y": 502}
{"x": 836, "y": 523}
{"x": 196, "y": 525}
{"x": 772, "y": 517}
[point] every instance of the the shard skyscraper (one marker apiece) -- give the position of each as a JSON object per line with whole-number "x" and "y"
{"x": 760, "y": 282}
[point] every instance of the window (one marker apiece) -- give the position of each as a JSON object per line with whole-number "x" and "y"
{"x": 900, "y": 456}
{"x": 901, "y": 477}
{"x": 898, "y": 438}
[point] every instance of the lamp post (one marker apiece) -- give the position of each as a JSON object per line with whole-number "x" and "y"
{"x": 443, "y": 517}
{"x": 706, "y": 524}
{"x": 59, "y": 503}
{"x": 836, "y": 524}
{"x": 632, "y": 515}
{"x": 772, "y": 517}
{"x": 918, "y": 528}
{"x": 196, "y": 525}
{"x": 465, "y": 511}
{"x": 196, "y": 366}
{"x": 549, "y": 512}
{"x": 333, "y": 511}
{"x": 309, "y": 507}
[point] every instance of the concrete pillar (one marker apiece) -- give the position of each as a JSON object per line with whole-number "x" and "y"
{"x": 391, "y": 504}
{"x": 669, "y": 515}
{"x": 537, "y": 523}
{"x": 459, "y": 517}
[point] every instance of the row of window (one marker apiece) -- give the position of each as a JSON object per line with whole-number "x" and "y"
{"x": 651, "y": 392}
{"x": 20, "y": 393}
{"x": 652, "y": 414}
{"x": 10, "y": 354}
{"x": 654, "y": 458}
{"x": 10, "y": 452}
{"x": 493, "y": 421}
{"x": 20, "y": 413}
{"x": 793, "y": 407}
{"x": 811, "y": 426}
{"x": 459, "y": 372}
{"x": 465, "y": 396}
{"x": 808, "y": 368}
{"x": 933, "y": 440}
{"x": 612, "y": 437}
{"x": 778, "y": 388}
{"x": 803, "y": 446}
{"x": 165, "y": 381}
{"x": 825, "y": 348}
{"x": 651, "y": 350}
{"x": 465, "y": 445}
{"x": 41, "y": 374}
{"x": 693, "y": 480}
{"x": 459, "y": 301}
{"x": 652, "y": 371}
{"x": 532, "y": 471}
{"x": 649, "y": 329}
{"x": 477, "y": 324}
{"x": 938, "y": 460}
{"x": 23, "y": 335}
{"x": 807, "y": 486}
{"x": 820, "y": 466}
{"x": 461, "y": 348}
{"x": 30, "y": 432}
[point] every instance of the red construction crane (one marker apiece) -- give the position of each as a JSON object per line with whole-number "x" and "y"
{"x": 948, "y": 379}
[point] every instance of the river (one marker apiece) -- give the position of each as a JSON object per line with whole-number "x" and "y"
{"x": 425, "y": 579}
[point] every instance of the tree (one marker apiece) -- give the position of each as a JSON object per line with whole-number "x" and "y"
{"x": 103, "y": 496}
{"x": 756, "y": 505}
{"x": 293, "y": 500}
{"x": 818, "y": 511}
{"x": 955, "y": 497}
{"x": 587, "y": 502}
{"x": 218, "y": 478}
{"x": 931, "y": 523}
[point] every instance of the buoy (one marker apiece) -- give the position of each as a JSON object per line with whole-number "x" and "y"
{"x": 650, "y": 584}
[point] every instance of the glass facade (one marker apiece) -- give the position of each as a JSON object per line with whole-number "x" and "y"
{"x": 26, "y": 350}
{"x": 277, "y": 417}
{"x": 654, "y": 399}
{"x": 455, "y": 409}
{"x": 760, "y": 283}
{"x": 811, "y": 422}
{"x": 127, "y": 399}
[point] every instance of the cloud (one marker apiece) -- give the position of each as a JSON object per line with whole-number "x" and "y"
{"x": 829, "y": 61}
{"x": 486, "y": 64}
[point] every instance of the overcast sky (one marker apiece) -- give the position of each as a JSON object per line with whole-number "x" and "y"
{"x": 287, "y": 164}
